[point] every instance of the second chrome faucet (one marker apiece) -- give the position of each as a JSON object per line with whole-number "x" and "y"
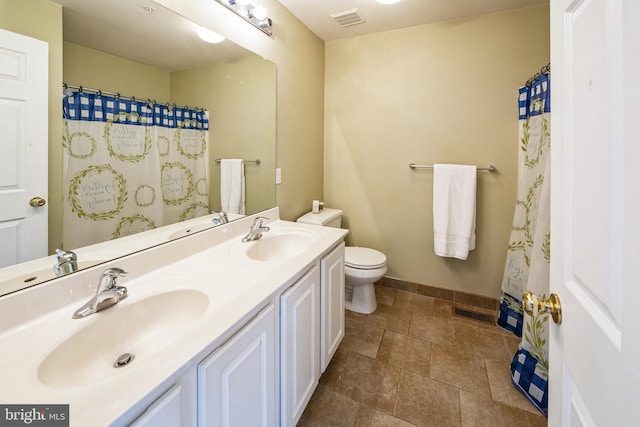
{"x": 107, "y": 294}
{"x": 256, "y": 230}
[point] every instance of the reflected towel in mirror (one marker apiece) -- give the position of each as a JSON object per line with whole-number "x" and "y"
{"x": 232, "y": 186}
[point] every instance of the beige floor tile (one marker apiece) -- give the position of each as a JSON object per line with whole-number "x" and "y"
{"x": 405, "y": 352}
{"x": 370, "y": 382}
{"x": 369, "y": 417}
{"x": 426, "y": 402}
{"x": 488, "y": 344}
{"x": 328, "y": 408}
{"x": 432, "y": 328}
{"x": 387, "y": 317}
{"x": 359, "y": 337}
{"x": 384, "y": 295}
{"x": 502, "y": 390}
{"x": 481, "y": 411}
{"x": 334, "y": 372}
{"x": 414, "y": 302}
{"x": 461, "y": 370}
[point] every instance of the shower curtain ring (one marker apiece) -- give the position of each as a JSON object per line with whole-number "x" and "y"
{"x": 80, "y": 89}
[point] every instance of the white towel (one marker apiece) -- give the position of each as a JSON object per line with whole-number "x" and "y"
{"x": 232, "y": 197}
{"x": 454, "y": 210}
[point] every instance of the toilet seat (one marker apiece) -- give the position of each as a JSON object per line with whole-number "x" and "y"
{"x": 363, "y": 258}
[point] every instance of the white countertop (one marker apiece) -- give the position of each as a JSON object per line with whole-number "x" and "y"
{"x": 37, "y": 320}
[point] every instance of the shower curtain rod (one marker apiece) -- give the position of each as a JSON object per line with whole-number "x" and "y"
{"x": 544, "y": 70}
{"x": 132, "y": 98}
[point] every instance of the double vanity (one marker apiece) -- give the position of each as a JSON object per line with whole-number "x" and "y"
{"x": 213, "y": 331}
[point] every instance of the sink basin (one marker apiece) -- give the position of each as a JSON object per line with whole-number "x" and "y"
{"x": 275, "y": 245}
{"x": 142, "y": 329}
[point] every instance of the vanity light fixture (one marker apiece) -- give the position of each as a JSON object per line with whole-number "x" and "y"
{"x": 255, "y": 15}
{"x": 209, "y": 36}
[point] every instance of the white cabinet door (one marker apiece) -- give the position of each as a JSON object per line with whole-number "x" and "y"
{"x": 164, "y": 412}
{"x": 300, "y": 340}
{"x": 332, "y": 304}
{"x": 236, "y": 383}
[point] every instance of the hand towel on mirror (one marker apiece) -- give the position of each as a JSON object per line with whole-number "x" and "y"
{"x": 232, "y": 191}
{"x": 454, "y": 210}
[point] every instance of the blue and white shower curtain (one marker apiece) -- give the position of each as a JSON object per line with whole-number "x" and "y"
{"x": 130, "y": 166}
{"x": 528, "y": 253}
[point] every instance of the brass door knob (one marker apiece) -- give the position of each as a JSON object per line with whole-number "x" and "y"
{"x": 532, "y": 306}
{"x": 37, "y": 202}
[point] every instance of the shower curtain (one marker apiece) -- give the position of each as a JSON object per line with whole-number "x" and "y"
{"x": 528, "y": 253}
{"x": 130, "y": 166}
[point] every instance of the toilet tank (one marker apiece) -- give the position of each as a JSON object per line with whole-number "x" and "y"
{"x": 326, "y": 217}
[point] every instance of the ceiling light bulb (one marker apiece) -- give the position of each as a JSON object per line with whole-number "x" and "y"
{"x": 208, "y": 35}
{"x": 387, "y": 1}
{"x": 259, "y": 12}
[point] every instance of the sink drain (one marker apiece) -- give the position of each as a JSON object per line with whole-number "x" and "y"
{"x": 123, "y": 360}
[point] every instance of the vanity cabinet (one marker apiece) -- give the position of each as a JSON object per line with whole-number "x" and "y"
{"x": 164, "y": 412}
{"x": 300, "y": 345}
{"x": 237, "y": 382}
{"x": 332, "y": 304}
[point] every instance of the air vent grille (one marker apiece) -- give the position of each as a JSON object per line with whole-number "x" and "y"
{"x": 349, "y": 17}
{"x": 480, "y": 317}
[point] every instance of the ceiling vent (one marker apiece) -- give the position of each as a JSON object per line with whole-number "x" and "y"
{"x": 349, "y": 17}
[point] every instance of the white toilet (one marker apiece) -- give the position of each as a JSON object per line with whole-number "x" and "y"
{"x": 363, "y": 266}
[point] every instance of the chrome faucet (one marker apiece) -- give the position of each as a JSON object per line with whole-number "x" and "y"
{"x": 67, "y": 262}
{"x": 256, "y": 230}
{"x": 220, "y": 218}
{"x": 107, "y": 294}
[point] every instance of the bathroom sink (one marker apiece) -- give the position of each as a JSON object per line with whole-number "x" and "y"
{"x": 275, "y": 245}
{"x": 142, "y": 329}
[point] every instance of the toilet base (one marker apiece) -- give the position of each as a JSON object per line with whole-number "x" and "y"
{"x": 363, "y": 298}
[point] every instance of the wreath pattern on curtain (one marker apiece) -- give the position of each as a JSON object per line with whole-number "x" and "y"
{"x": 130, "y": 166}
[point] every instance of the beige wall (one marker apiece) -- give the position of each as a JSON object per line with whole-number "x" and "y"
{"x": 299, "y": 56}
{"x": 42, "y": 20}
{"x": 99, "y": 70}
{"x": 440, "y": 93}
{"x": 240, "y": 96}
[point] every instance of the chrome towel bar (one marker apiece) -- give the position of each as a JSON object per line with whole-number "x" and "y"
{"x": 256, "y": 161}
{"x": 489, "y": 168}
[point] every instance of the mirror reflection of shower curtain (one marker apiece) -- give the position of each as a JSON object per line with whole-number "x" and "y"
{"x": 528, "y": 253}
{"x": 129, "y": 166}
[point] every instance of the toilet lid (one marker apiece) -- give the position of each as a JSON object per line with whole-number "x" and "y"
{"x": 363, "y": 258}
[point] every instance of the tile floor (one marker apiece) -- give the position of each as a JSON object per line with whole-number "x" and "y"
{"x": 412, "y": 362}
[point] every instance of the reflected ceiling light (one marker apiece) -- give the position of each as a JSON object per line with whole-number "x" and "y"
{"x": 208, "y": 35}
{"x": 255, "y": 15}
{"x": 259, "y": 12}
{"x": 387, "y": 1}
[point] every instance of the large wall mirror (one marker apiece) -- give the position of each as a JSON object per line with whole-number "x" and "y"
{"x": 106, "y": 44}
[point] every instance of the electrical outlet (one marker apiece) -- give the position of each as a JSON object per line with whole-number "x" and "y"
{"x": 278, "y": 175}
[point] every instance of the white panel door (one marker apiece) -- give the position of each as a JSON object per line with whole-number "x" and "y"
{"x": 23, "y": 147}
{"x": 332, "y": 304}
{"x": 236, "y": 383}
{"x": 300, "y": 345}
{"x": 595, "y": 212}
